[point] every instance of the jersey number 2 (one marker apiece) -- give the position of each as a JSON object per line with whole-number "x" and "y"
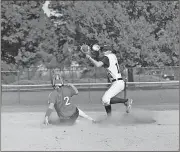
{"x": 118, "y": 69}
{"x": 67, "y": 101}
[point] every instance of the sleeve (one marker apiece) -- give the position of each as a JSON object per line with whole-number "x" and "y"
{"x": 73, "y": 90}
{"x": 52, "y": 97}
{"x": 105, "y": 60}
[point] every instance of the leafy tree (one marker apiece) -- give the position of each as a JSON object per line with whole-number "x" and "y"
{"x": 142, "y": 33}
{"x": 132, "y": 28}
{"x": 28, "y": 35}
{"x": 162, "y": 16}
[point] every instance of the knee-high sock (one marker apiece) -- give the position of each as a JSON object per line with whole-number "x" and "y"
{"x": 108, "y": 110}
{"x": 116, "y": 100}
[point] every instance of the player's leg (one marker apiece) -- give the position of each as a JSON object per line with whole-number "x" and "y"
{"x": 116, "y": 88}
{"x": 109, "y": 97}
{"x": 115, "y": 100}
{"x": 106, "y": 99}
{"x": 119, "y": 85}
{"x": 73, "y": 118}
{"x": 109, "y": 94}
{"x": 84, "y": 115}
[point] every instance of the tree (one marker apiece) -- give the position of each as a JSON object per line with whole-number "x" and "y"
{"x": 142, "y": 33}
{"x": 162, "y": 41}
{"x": 28, "y": 35}
{"x": 132, "y": 28}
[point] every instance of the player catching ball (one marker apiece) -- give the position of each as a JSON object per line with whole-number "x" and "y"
{"x": 110, "y": 63}
{"x": 60, "y": 99}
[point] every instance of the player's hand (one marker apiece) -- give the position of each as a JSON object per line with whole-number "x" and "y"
{"x": 46, "y": 121}
{"x": 73, "y": 87}
{"x": 69, "y": 84}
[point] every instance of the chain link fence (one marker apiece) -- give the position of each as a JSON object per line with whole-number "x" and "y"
{"x": 41, "y": 75}
{"x": 156, "y": 74}
{"x": 32, "y": 86}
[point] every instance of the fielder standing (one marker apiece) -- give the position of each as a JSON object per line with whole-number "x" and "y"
{"x": 110, "y": 63}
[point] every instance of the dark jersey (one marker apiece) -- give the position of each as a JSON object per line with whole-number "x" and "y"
{"x": 61, "y": 100}
{"x": 105, "y": 60}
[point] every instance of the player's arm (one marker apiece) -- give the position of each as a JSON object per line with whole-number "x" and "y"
{"x": 50, "y": 108}
{"x": 48, "y": 113}
{"x": 96, "y": 63}
{"x": 74, "y": 89}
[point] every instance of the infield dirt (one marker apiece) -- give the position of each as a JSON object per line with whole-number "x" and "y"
{"x": 141, "y": 130}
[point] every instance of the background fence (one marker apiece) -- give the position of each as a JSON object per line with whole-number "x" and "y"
{"x": 41, "y": 75}
{"x": 32, "y": 86}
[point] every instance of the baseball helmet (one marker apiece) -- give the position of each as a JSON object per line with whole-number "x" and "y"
{"x": 57, "y": 81}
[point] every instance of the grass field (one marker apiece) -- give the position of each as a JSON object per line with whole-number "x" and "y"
{"x": 152, "y": 125}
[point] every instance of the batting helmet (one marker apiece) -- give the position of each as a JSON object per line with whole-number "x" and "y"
{"x": 57, "y": 80}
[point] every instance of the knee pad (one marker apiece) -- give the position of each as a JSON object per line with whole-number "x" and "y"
{"x": 105, "y": 101}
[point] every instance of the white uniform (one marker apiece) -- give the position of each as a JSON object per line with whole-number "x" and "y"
{"x": 114, "y": 74}
{"x": 113, "y": 70}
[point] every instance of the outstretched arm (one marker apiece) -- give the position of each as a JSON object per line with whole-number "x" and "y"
{"x": 96, "y": 63}
{"x": 75, "y": 90}
{"x": 48, "y": 113}
{"x": 51, "y": 101}
{"x": 85, "y": 49}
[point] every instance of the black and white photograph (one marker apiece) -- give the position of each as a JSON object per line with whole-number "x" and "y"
{"x": 90, "y": 75}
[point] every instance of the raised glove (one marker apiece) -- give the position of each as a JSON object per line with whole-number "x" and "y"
{"x": 85, "y": 49}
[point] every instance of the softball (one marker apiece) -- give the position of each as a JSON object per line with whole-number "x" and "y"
{"x": 96, "y": 47}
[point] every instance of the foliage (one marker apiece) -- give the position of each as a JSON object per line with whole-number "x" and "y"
{"x": 142, "y": 33}
{"x": 28, "y": 36}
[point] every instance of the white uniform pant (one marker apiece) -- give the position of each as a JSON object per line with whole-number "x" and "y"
{"x": 115, "y": 88}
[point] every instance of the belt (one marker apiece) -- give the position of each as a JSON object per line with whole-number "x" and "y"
{"x": 117, "y": 79}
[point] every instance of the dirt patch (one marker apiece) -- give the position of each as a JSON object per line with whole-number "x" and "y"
{"x": 137, "y": 116}
{"x": 136, "y": 131}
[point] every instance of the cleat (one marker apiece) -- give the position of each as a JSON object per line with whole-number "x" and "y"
{"x": 128, "y": 105}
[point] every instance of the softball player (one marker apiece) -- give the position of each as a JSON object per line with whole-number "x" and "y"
{"x": 110, "y": 63}
{"x": 60, "y": 99}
